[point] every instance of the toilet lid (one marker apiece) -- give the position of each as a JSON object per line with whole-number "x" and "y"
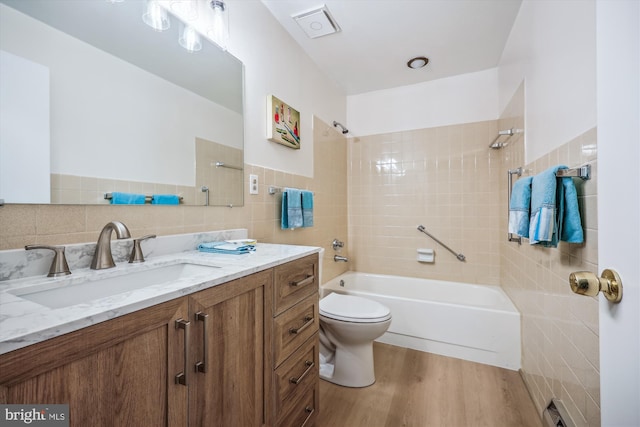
{"x": 351, "y": 308}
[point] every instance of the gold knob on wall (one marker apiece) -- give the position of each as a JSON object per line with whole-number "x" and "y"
{"x": 587, "y": 283}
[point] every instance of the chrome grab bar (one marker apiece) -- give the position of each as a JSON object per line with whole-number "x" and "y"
{"x": 459, "y": 256}
{"x": 510, "y": 174}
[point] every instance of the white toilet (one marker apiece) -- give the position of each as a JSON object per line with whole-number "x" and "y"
{"x": 348, "y": 326}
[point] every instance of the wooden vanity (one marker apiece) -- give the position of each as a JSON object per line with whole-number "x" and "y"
{"x": 242, "y": 353}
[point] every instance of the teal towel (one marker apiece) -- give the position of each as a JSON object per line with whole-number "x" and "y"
{"x": 291, "y": 209}
{"x": 127, "y": 199}
{"x": 307, "y": 208}
{"x": 520, "y": 207}
{"x": 571, "y": 231}
{"x": 165, "y": 199}
{"x": 554, "y": 210}
{"x": 225, "y": 248}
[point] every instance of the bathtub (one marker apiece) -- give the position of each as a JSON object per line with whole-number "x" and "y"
{"x": 471, "y": 322}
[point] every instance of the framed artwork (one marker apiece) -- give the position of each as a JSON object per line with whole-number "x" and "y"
{"x": 284, "y": 123}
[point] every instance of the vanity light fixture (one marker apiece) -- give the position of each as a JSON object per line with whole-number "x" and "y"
{"x": 156, "y": 16}
{"x": 219, "y": 28}
{"x": 418, "y": 62}
{"x": 189, "y": 39}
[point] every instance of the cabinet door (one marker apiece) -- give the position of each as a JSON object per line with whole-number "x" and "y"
{"x": 228, "y": 343}
{"x": 116, "y": 373}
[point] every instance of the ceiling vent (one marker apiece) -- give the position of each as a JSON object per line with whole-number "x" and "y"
{"x": 317, "y": 22}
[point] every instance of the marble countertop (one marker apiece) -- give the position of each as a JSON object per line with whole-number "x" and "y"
{"x": 23, "y": 322}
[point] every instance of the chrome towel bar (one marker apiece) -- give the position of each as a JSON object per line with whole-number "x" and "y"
{"x": 224, "y": 165}
{"x": 459, "y": 256}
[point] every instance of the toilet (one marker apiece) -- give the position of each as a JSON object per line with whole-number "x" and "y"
{"x": 348, "y": 326}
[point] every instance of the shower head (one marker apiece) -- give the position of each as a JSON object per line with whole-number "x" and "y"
{"x": 344, "y": 129}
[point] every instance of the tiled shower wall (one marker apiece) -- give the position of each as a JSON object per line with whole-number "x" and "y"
{"x": 444, "y": 178}
{"x": 64, "y": 224}
{"x": 560, "y": 344}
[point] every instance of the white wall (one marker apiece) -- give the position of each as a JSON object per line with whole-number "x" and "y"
{"x": 24, "y": 130}
{"x": 276, "y": 65}
{"x": 552, "y": 47}
{"x": 465, "y": 98}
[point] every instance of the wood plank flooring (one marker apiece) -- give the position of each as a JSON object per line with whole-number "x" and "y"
{"x": 417, "y": 389}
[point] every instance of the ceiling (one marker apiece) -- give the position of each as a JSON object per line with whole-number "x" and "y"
{"x": 378, "y": 37}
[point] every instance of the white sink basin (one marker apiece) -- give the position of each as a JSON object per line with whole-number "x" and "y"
{"x": 59, "y": 295}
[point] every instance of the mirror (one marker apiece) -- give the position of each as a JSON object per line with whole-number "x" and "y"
{"x": 94, "y": 101}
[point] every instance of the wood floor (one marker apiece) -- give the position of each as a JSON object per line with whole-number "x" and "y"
{"x": 418, "y": 389}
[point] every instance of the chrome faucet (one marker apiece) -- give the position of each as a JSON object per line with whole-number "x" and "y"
{"x": 338, "y": 258}
{"x": 103, "y": 258}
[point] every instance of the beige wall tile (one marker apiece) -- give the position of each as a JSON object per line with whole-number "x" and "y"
{"x": 560, "y": 332}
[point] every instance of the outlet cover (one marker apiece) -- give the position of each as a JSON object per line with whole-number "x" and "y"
{"x": 253, "y": 184}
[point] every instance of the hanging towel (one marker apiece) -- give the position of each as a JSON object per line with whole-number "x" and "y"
{"x": 165, "y": 199}
{"x": 291, "y": 208}
{"x": 520, "y": 207}
{"x": 307, "y": 208}
{"x": 554, "y": 206}
{"x": 571, "y": 231}
{"x": 127, "y": 199}
{"x": 226, "y": 248}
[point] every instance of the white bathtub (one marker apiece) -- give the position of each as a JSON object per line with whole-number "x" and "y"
{"x": 471, "y": 322}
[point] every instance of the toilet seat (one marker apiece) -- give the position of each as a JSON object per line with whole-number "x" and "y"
{"x": 350, "y": 308}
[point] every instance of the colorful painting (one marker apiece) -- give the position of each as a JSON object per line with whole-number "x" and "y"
{"x": 284, "y": 122}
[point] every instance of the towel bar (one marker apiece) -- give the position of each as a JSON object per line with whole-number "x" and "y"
{"x": 275, "y": 190}
{"x": 583, "y": 172}
{"x": 109, "y": 196}
{"x": 224, "y": 165}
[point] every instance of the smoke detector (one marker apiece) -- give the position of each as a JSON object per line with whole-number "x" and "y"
{"x": 317, "y": 22}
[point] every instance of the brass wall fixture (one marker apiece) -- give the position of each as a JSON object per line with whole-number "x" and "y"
{"x": 587, "y": 283}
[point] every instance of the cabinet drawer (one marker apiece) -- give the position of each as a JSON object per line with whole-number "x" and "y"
{"x": 302, "y": 410}
{"x": 295, "y": 281}
{"x": 299, "y": 371}
{"x": 293, "y": 327}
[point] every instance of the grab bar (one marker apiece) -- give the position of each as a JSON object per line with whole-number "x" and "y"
{"x": 459, "y": 256}
{"x": 510, "y": 174}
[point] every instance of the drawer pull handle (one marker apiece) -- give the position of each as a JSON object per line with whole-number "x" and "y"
{"x": 204, "y": 318}
{"x": 309, "y": 410}
{"x": 306, "y": 281}
{"x": 308, "y": 321}
{"x": 182, "y": 377}
{"x": 310, "y": 366}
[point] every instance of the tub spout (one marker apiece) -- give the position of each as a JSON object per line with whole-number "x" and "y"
{"x": 338, "y": 258}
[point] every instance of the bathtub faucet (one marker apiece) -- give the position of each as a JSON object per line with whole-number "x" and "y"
{"x": 338, "y": 258}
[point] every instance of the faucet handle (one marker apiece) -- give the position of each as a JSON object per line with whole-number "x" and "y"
{"x": 59, "y": 266}
{"x": 136, "y": 253}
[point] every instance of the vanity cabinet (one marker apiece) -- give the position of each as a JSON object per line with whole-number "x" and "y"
{"x": 116, "y": 373}
{"x": 227, "y": 352}
{"x": 243, "y": 353}
{"x": 295, "y": 343}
